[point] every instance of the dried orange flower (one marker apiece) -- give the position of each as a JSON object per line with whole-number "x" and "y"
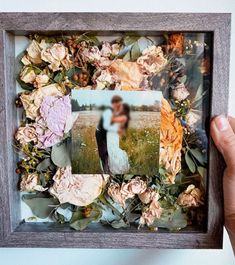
{"x": 171, "y": 135}
{"x": 176, "y": 43}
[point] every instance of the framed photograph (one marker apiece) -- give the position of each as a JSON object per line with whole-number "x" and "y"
{"x": 105, "y": 129}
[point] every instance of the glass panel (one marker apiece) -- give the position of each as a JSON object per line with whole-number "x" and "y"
{"x": 131, "y": 112}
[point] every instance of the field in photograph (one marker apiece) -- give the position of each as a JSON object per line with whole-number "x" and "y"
{"x": 141, "y": 143}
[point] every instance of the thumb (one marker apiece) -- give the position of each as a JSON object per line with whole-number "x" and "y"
{"x": 224, "y": 138}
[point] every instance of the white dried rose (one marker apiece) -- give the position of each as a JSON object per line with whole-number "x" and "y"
{"x": 32, "y": 102}
{"x": 192, "y": 118}
{"x": 180, "y": 92}
{"x": 79, "y": 190}
{"x": 29, "y": 182}
{"x": 191, "y": 197}
{"x": 41, "y": 80}
{"x": 152, "y": 59}
{"x": 54, "y": 55}
{"x": 34, "y": 52}
{"x": 28, "y": 75}
{"x": 26, "y": 134}
{"x": 104, "y": 79}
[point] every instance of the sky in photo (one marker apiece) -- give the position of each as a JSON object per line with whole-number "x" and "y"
{"x": 103, "y": 97}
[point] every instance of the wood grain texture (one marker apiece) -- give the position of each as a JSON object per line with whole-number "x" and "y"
{"x": 16, "y": 234}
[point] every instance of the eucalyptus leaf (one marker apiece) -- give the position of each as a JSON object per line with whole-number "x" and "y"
{"x": 183, "y": 79}
{"x": 60, "y": 154}
{"x": 43, "y": 165}
{"x": 127, "y": 56}
{"x": 190, "y": 163}
{"x": 198, "y": 155}
{"x": 128, "y": 40}
{"x": 201, "y": 171}
{"x": 171, "y": 219}
{"x": 40, "y": 205}
{"x": 79, "y": 222}
{"x": 119, "y": 224}
{"x": 135, "y": 51}
{"x": 59, "y": 77}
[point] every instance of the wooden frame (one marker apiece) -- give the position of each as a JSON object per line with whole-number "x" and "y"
{"x": 13, "y": 233}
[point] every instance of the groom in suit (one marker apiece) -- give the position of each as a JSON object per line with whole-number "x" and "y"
{"x": 105, "y": 125}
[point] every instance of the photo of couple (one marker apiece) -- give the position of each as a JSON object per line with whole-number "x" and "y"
{"x": 115, "y": 132}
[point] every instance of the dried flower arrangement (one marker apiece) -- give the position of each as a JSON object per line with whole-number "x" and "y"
{"x": 51, "y": 67}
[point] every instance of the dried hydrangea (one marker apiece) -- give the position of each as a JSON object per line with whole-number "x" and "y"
{"x": 32, "y": 101}
{"x": 79, "y": 190}
{"x": 51, "y": 125}
{"x": 191, "y": 197}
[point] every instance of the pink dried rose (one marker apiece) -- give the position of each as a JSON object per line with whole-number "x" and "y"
{"x": 91, "y": 54}
{"x": 32, "y": 101}
{"x": 51, "y": 125}
{"x": 191, "y": 197}
{"x": 26, "y": 134}
{"x": 152, "y": 60}
{"x": 127, "y": 190}
{"x": 180, "y": 92}
{"x": 148, "y": 195}
{"x": 30, "y": 183}
{"x": 108, "y": 49}
{"x": 152, "y": 213}
{"x": 79, "y": 190}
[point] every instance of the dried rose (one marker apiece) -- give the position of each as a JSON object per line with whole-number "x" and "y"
{"x": 192, "y": 118}
{"x": 91, "y": 54}
{"x": 114, "y": 191}
{"x": 30, "y": 183}
{"x": 148, "y": 195}
{"x": 180, "y": 92}
{"x": 79, "y": 190}
{"x": 32, "y": 102}
{"x": 135, "y": 186}
{"x": 103, "y": 79}
{"x": 51, "y": 125}
{"x": 26, "y": 134}
{"x": 41, "y": 80}
{"x": 33, "y": 54}
{"x": 108, "y": 50}
{"x": 191, "y": 197}
{"x": 152, "y": 213}
{"x": 152, "y": 60}
{"x": 28, "y": 75}
{"x": 56, "y": 55}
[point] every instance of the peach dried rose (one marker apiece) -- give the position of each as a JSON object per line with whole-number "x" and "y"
{"x": 148, "y": 195}
{"x": 79, "y": 190}
{"x": 26, "y": 134}
{"x": 134, "y": 186}
{"x": 180, "y": 92}
{"x": 171, "y": 135}
{"x": 32, "y": 102}
{"x": 128, "y": 74}
{"x": 114, "y": 191}
{"x": 33, "y": 54}
{"x": 41, "y": 80}
{"x": 191, "y": 197}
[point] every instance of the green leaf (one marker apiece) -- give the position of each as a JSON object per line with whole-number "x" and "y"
{"x": 60, "y": 154}
{"x": 43, "y": 165}
{"x": 190, "y": 163}
{"x": 40, "y": 205}
{"x": 198, "y": 155}
{"x": 183, "y": 79}
{"x": 79, "y": 222}
{"x": 135, "y": 51}
{"x": 174, "y": 220}
{"x": 119, "y": 224}
{"x": 59, "y": 77}
{"x": 128, "y": 40}
{"x": 201, "y": 171}
{"x": 127, "y": 56}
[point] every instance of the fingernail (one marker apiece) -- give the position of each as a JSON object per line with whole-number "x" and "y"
{"x": 221, "y": 123}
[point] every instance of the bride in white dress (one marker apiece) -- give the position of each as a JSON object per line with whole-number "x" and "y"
{"x": 118, "y": 158}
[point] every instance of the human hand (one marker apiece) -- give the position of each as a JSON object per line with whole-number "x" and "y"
{"x": 223, "y": 134}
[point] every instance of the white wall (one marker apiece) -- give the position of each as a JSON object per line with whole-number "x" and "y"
{"x": 122, "y": 257}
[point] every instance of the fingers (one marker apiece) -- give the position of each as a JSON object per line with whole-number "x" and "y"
{"x": 232, "y": 122}
{"x": 224, "y": 138}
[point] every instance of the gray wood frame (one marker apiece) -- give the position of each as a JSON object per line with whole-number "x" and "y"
{"x": 13, "y": 233}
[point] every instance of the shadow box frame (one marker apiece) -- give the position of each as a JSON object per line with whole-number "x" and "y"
{"x": 14, "y": 232}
